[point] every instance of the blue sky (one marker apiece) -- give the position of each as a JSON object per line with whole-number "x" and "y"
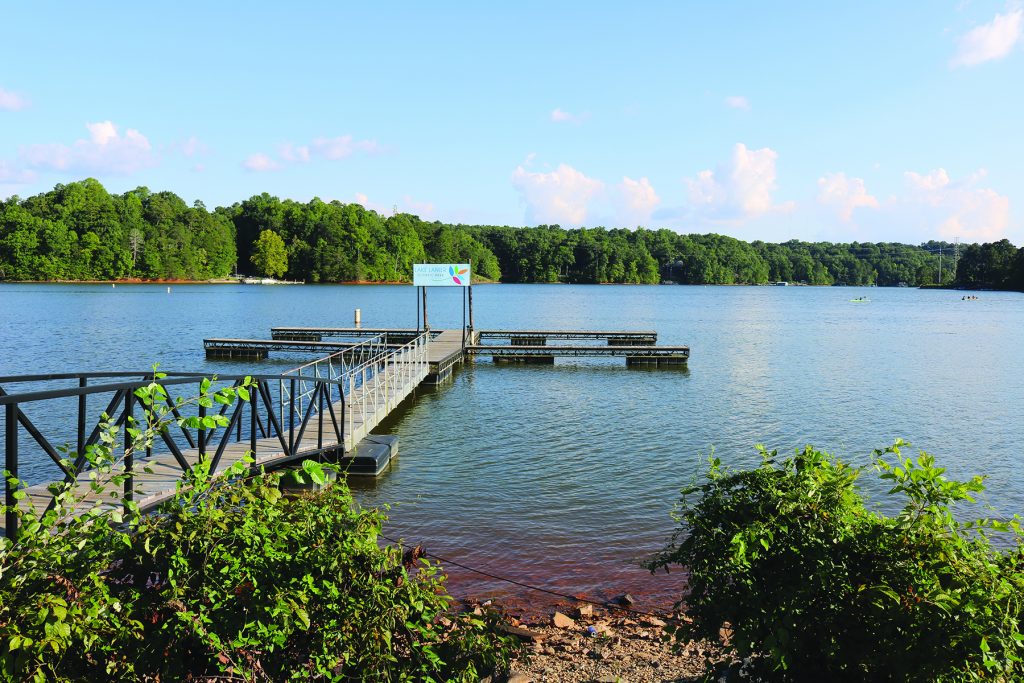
{"x": 837, "y": 121}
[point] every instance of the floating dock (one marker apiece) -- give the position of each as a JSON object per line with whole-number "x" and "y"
{"x": 400, "y": 336}
{"x": 652, "y": 356}
{"x": 259, "y": 349}
{"x": 540, "y": 337}
{"x": 326, "y": 408}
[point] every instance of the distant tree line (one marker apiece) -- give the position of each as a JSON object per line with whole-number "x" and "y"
{"x": 79, "y": 231}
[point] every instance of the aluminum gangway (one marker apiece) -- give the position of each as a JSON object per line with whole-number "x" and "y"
{"x": 319, "y": 410}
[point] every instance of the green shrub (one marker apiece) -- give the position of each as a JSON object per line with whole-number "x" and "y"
{"x": 235, "y": 579}
{"x": 229, "y": 579}
{"x": 811, "y": 585}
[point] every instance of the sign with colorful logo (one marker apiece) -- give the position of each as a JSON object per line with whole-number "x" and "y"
{"x": 440, "y": 274}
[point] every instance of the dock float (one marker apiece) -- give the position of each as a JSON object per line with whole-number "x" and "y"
{"x": 399, "y": 336}
{"x": 651, "y": 356}
{"x": 259, "y": 349}
{"x": 540, "y": 337}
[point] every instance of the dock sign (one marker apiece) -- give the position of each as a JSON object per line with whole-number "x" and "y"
{"x": 440, "y": 274}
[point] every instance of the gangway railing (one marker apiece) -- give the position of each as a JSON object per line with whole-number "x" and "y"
{"x": 275, "y": 429}
{"x": 335, "y": 367}
{"x": 57, "y": 450}
{"x": 386, "y": 379}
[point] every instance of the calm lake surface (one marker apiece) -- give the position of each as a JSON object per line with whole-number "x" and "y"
{"x": 563, "y": 475}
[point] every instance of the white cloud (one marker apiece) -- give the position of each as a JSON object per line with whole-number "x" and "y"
{"x": 846, "y": 194}
{"x": 741, "y": 189}
{"x": 560, "y": 116}
{"x": 13, "y": 175}
{"x": 299, "y": 153}
{"x": 561, "y": 196}
{"x": 958, "y": 208}
{"x": 737, "y": 102}
{"x": 194, "y": 147}
{"x": 635, "y": 200}
{"x": 990, "y": 41}
{"x": 260, "y": 163}
{"x": 341, "y": 147}
{"x": 330, "y": 149}
{"x": 11, "y": 101}
{"x": 106, "y": 151}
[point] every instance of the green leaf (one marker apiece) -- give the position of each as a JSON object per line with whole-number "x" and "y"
{"x": 315, "y": 472}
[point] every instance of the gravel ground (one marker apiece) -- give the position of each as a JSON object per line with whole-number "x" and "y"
{"x": 604, "y": 646}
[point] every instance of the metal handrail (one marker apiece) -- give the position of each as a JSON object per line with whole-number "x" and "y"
{"x": 372, "y": 377}
{"x": 334, "y": 366}
{"x": 383, "y": 375}
{"x": 208, "y": 444}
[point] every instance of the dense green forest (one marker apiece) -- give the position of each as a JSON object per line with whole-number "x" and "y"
{"x": 79, "y": 231}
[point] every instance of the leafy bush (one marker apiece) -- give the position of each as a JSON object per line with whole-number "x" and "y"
{"x": 806, "y": 583}
{"x": 229, "y": 579}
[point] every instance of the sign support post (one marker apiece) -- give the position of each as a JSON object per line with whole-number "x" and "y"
{"x": 426, "y": 325}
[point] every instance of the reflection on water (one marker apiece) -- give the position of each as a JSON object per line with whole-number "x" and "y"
{"x": 563, "y": 475}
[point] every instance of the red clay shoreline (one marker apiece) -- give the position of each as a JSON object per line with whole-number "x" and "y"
{"x": 215, "y": 281}
{"x": 174, "y": 281}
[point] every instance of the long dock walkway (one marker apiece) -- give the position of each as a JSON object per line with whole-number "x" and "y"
{"x": 445, "y": 353}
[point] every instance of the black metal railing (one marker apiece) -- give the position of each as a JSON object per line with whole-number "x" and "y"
{"x": 281, "y": 419}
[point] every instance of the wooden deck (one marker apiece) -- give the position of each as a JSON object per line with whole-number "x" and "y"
{"x": 445, "y": 353}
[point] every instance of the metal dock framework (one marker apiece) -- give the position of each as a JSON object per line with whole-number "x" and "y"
{"x": 322, "y": 409}
{"x": 327, "y": 408}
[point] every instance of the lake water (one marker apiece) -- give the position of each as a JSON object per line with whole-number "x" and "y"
{"x": 563, "y": 475}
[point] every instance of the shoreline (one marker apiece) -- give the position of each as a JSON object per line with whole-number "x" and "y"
{"x": 581, "y": 642}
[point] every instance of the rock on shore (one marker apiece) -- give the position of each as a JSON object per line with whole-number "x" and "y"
{"x": 594, "y": 645}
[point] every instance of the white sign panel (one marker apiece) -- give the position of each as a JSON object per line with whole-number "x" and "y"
{"x": 440, "y": 274}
